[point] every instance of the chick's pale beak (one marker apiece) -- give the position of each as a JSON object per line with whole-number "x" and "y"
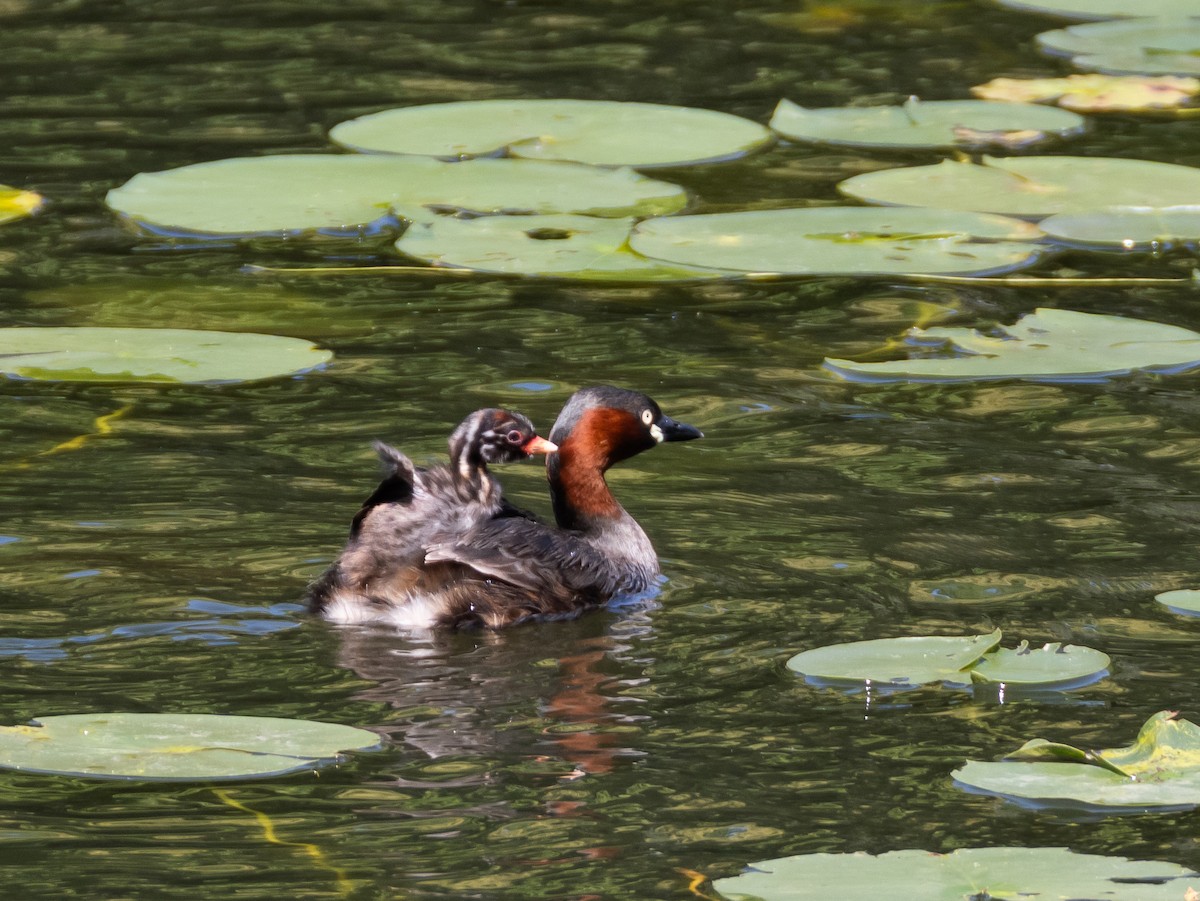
{"x": 670, "y": 430}
{"x": 539, "y": 445}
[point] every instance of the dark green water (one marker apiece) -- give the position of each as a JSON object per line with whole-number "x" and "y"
{"x": 156, "y": 567}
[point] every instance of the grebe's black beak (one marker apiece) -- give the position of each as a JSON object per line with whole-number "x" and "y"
{"x": 667, "y": 429}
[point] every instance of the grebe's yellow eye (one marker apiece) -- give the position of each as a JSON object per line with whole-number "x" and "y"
{"x": 647, "y": 416}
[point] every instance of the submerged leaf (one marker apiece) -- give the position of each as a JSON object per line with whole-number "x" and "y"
{"x": 150, "y": 746}
{"x": 934, "y": 124}
{"x": 152, "y": 355}
{"x": 599, "y": 132}
{"x": 968, "y": 873}
{"x": 1046, "y": 345}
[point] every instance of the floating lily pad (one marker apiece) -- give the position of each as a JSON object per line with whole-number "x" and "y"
{"x": 1181, "y": 600}
{"x": 1094, "y": 93}
{"x": 1046, "y": 345}
{"x": 1128, "y": 228}
{"x": 16, "y": 204}
{"x": 1030, "y": 186}
{"x": 175, "y": 747}
{"x": 152, "y": 355}
{"x": 1099, "y": 10}
{"x": 1160, "y": 770}
{"x": 840, "y": 241}
{"x": 1046, "y": 873}
{"x": 347, "y": 193}
{"x": 1144, "y": 46}
{"x": 603, "y": 133}
{"x": 577, "y": 247}
{"x": 938, "y": 123}
{"x": 1051, "y": 666}
{"x": 896, "y": 661}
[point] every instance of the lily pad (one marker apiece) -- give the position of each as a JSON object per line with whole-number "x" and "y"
{"x": 1051, "y": 666}
{"x": 896, "y": 661}
{"x": 1095, "y": 93}
{"x": 1099, "y": 10}
{"x": 1046, "y": 873}
{"x": 1030, "y": 186}
{"x": 1046, "y": 345}
{"x": 1128, "y": 228}
{"x": 1181, "y": 600}
{"x": 175, "y": 747}
{"x": 152, "y": 355}
{"x": 840, "y": 241}
{"x": 16, "y": 204}
{"x": 1161, "y": 769}
{"x": 348, "y": 193}
{"x": 603, "y": 133}
{"x": 1144, "y": 46}
{"x": 934, "y": 124}
{"x": 576, "y": 247}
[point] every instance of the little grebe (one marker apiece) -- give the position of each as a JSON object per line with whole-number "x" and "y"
{"x": 494, "y": 566}
{"x": 382, "y": 569}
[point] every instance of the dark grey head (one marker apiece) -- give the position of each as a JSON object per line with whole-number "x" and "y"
{"x": 494, "y": 436}
{"x": 617, "y": 423}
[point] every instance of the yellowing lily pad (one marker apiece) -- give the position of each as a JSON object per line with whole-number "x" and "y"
{"x": 898, "y": 662}
{"x": 175, "y": 747}
{"x": 1095, "y": 93}
{"x": 1168, "y": 45}
{"x": 1030, "y": 186}
{"x": 152, "y": 355}
{"x": 1161, "y": 770}
{"x": 1128, "y": 228}
{"x": 603, "y": 133}
{"x": 840, "y": 241}
{"x": 576, "y": 247}
{"x": 968, "y": 873}
{"x": 1181, "y": 600}
{"x": 16, "y": 204}
{"x": 1046, "y": 345}
{"x": 1053, "y": 665}
{"x": 938, "y": 123}
{"x": 1099, "y": 10}
{"x": 348, "y": 193}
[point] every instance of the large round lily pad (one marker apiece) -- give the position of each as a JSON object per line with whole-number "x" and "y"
{"x": 1046, "y": 345}
{"x": 1044, "y": 873}
{"x": 841, "y": 241}
{"x": 1161, "y": 769}
{"x": 896, "y": 661}
{"x": 1053, "y": 665}
{"x": 563, "y": 246}
{"x": 1100, "y": 10}
{"x": 1128, "y": 228}
{"x": 603, "y": 133}
{"x": 1169, "y": 45}
{"x": 1030, "y": 186}
{"x": 189, "y": 747}
{"x": 1181, "y": 600}
{"x": 937, "y": 123}
{"x": 152, "y": 355}
{"x": 281, "y": 195}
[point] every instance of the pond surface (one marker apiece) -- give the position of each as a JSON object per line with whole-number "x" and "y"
{"x": 157, "y": 565}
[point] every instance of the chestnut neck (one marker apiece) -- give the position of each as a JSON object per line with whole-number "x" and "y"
{"x": 601, "y": 437}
